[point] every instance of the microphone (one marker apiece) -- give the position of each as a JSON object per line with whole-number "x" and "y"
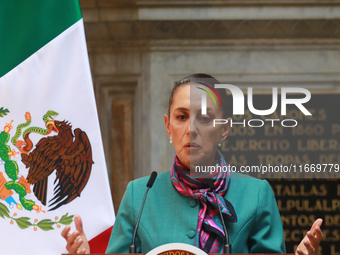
{"x": 227, "y": 246}
{"x": 132, "y": 248}
{"x": 152, "y": 179}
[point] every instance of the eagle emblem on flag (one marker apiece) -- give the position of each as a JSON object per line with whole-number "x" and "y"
{"x": 61, "y": 149}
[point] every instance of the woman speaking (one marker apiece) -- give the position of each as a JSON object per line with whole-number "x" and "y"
{"x": 181, "y": 208}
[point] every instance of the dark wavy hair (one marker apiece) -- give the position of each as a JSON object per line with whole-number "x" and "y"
{"x": 205, "y": 79}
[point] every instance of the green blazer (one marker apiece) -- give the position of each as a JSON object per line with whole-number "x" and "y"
{"x": 170, "y": 217}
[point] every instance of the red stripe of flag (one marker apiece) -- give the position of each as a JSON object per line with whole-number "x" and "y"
{"x": 99, "y": 243}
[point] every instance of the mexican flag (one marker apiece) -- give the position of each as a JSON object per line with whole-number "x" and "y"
{"x": 52, "y": 162}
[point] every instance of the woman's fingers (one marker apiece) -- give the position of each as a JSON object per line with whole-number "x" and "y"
{"x": 314, "y": 236}
{"x": 316, "y": 225}
{"x": 73, "y": 236}
{"x": 312, "y": 239}
{"x": 78, "y": 223}
{"x": 299, "y": 252}
{"x": 318, "y": 233}
{"x": 76, "y": 246}
{"x": 74, "y": 241}
{"x": 65, "y": 232}
{"x": 82, "y": 251}
{"x": 309, "y": 246}
{"x": 310, "y": 243}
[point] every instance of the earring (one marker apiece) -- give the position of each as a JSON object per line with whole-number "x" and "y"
{"x": 170, "y": 139}
{"x": 219, "y": 143}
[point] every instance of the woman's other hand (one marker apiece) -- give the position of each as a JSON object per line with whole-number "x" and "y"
{"x": 76, "y": 242}
{"x": 310, "y": 243}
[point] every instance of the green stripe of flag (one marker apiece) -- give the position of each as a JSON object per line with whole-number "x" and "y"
{"x": 28, "y": 25}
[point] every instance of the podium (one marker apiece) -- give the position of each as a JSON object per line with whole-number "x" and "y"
{"x": 178, "y": 249}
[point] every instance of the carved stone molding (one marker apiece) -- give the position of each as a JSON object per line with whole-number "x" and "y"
{"x": 209, "y": 3}
{"x": 171, "y": 3}
{"x": 214, "y": 45}
{"x": 215, "y": 33}
{"x": 235, "y": 29}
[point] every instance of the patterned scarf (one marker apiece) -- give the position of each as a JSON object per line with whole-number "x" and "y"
{"x": 209, "y": 225}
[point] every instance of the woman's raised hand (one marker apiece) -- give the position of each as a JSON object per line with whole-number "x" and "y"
{"x": 310, "y": 243}
{"x": 76, "y": 242}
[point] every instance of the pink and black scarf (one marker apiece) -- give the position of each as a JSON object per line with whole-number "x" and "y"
{"x": 210, "y": 234}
